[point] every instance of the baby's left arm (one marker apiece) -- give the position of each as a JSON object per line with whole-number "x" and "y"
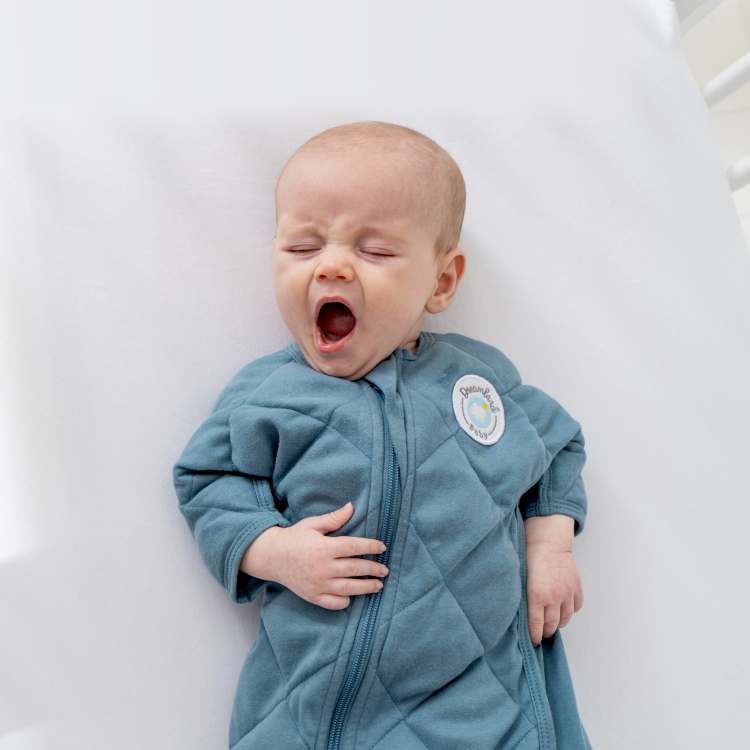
{"x": 553, "y": 584}
{"x": 554, "y": 510}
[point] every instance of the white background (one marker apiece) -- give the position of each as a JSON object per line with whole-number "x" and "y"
{"x": 605, "y": 258}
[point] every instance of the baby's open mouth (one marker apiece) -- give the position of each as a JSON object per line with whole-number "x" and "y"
{"x": 334, "y": 327}
{"x": 335, "y": 322}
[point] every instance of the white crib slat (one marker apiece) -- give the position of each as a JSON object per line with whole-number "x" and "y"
{"x": 739, "y": 174}
{"x": 691, "y": 13}
{"x": 727, "y": 82}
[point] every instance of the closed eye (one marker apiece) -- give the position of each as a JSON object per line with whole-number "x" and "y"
{"x": 301, "y": 249}
{"x": 376, "y": 252}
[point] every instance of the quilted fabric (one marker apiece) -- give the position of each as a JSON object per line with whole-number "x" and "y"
{"x": 451, "y": 664}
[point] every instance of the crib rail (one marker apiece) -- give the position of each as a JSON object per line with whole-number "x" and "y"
{"x": 691, "y": 12}
{"x": 727, "y": 82}
{"x": 716, "y": 90}
{"x": 739, "y": 174}
{"x": 723, "y": 85}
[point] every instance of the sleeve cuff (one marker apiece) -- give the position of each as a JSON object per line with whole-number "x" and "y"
{"x": 550, "y": 507}
{"x": 243, "y": 588}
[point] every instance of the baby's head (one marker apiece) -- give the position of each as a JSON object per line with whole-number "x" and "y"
{"x": 368, "y": 217}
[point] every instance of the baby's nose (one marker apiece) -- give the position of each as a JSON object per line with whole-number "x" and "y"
{"x": 334, "y": 265}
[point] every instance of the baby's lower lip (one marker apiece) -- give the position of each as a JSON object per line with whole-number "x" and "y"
{"x": 326, "y": 346}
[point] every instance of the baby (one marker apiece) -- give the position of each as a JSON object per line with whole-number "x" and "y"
{"x": 407, "y": 505}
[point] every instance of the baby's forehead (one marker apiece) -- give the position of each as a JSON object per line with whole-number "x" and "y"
{"x": 374, "y": 167}
{"x": 397, "y": 156}
{"x": 370, "y": 193}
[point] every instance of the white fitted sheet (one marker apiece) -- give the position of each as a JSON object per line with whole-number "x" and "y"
{"x": 605, "y": 258}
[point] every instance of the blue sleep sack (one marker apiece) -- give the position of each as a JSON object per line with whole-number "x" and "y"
{"x": 443, "y": 453}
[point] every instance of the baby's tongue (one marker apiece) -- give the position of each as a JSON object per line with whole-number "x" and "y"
{"x": 335, "y": 320}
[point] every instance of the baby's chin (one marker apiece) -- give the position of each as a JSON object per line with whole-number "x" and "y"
{"x": 348, "y": 363}
{"x": 345, "y": 368}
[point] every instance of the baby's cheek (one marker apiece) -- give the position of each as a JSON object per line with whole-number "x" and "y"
{"x": 291, "y": 302}
{"x": 401, "y": 306}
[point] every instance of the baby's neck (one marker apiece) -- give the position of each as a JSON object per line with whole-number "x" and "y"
{"x": 411, "y": 345}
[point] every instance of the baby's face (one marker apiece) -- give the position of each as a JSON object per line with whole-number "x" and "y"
{"x": 354, "y": 259}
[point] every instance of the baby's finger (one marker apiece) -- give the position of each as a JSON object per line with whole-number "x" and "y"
{"x": 551, "y": 620}
{"x": 329, "y": 601}
{"x": 329, "y": 521}
{"x": 578, "y": 600}
{"x": 536, "y": 623}
{"x": 353, "y": 586}
{"x": 567, "y": 610}
{"x": 350, "y": 567}
{"x": 351, "y": 546}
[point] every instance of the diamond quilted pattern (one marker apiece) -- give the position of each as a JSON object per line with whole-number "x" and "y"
{"x": 453, "y": 526}
{"x": 441, "y": 643}
{"x": 307, "y": 700}
{"x": 400, "y": 738}
{"x": 264, "y": 688}
{"x": 507, "y": 665}
{"x": 329, "y": 456}
{"x": 427, "y": 441}
{"x": 304, "y": 637}
{"x": 380, "y": 715}
{"x": 275, "y": 732}
{"x": 418, "y": 573}
{"x": 487, "y": 586}
{"x": 474, "y": 706}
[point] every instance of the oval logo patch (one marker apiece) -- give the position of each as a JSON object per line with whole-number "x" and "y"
{"x": 478, "y": 409}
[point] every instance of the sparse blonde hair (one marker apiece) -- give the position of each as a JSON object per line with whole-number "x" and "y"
{"x": 429, "y": 155}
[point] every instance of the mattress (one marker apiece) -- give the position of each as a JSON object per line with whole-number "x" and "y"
{"x": 605, "y": 258}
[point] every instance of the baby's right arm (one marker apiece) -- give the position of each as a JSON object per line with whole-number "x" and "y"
{"x": 223, "y": 483}
{"x": 318, "y": 568}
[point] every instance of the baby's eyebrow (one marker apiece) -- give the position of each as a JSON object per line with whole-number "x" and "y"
{"x": 370, "y": 232}
{"x": 358, "y": 234}
{"x": 310, "y": 229}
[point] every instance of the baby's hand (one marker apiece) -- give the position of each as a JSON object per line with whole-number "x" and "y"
{"x": 553, "y": 584}
{"x": 318, "y": 568}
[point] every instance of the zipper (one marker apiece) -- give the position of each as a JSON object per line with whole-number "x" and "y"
{"x": 360, "y": 653}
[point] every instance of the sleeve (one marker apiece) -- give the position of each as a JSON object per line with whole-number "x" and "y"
{"x": 560, "y": 489}
{"x": 225, "y": 508}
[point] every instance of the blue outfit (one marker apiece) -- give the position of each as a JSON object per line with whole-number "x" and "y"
{"x": 440, "y": 658}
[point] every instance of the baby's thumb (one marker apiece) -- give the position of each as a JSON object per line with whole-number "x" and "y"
{"x": 331, "y": 521}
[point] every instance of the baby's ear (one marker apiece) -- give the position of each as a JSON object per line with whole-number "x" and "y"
{"x": 451, "y": 267}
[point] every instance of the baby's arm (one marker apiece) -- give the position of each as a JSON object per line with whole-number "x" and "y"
{"x": 554, "y": 510}
{"x": 316, "y": 567}
{"x": 553, "y": 584}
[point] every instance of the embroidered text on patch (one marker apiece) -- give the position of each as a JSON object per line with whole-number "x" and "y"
{"x": 478, "y": 409}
